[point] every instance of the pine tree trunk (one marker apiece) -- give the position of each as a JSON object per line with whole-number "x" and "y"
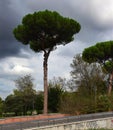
{"x": 45, "y": 109}
{"x": 45, "y": 78}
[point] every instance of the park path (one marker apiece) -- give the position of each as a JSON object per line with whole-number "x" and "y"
{"x": 30, "y": 118}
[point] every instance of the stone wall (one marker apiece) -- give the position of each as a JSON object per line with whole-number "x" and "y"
{"x": 106, "y": 123}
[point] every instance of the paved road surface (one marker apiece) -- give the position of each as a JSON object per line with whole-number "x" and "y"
{"x": 52, "y": 121}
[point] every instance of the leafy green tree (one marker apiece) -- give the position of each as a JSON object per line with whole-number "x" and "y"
{"x": 13, "y": 104}
{"x": 38, "y": 102}
{"x": 74, "y": 103}
{"x": 43, "y": 31}
{"x": 87, "y": 78}
{"x": 68, "y": 103}
{"x": 1, "y": 106}
{"x": 86, "y": 84}
{"x": 25, "y": 89}
{"x": 101, "y": 53}
{"x": 8, "y": 102}
{"x": 103, "y": 103}
{"x": 59, "y": 81}
{"x": 24, "y": 99}
{"x": 54, "y": 96}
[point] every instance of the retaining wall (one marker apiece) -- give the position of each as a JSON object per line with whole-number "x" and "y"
{"x": 106, "y": 123}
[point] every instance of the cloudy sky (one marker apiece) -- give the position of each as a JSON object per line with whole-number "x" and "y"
{"x": 95, "y": 17}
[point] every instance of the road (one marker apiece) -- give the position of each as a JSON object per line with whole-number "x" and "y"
{"x": 53, "y": 121}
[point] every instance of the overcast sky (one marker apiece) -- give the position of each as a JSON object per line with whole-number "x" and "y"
{"x": 94, "y": 16}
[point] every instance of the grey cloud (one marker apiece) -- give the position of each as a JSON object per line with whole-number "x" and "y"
{"x": 35, "y": 5}
{"x": 92, "y": 14}
{"x": 9, "y": 18}
{"x": 4, "y": 91}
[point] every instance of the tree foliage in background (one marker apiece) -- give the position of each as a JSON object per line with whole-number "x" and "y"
{"x": 54, "y": 94}
{"x": 38, "y": 103}
{"x": 87, "y": 78}
{"x": 1, "y": 106}
{"x": 43, "y": 31}
{"x": 103, "y": 103}
{"x": 25, "y": 90}
{"x": 86, "y": 83}
{"x": 101, "y": 53}
{"x": 13, "y": 105}
{"x": 25, "y": 99}
{"x": 87, "y": 95}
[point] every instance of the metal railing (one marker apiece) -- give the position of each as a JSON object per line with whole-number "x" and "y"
{"x": 54, "y": 121}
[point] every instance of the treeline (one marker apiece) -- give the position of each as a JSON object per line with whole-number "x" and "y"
{"x": 85, "y": 92}
{"x": 25, "y": 100}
